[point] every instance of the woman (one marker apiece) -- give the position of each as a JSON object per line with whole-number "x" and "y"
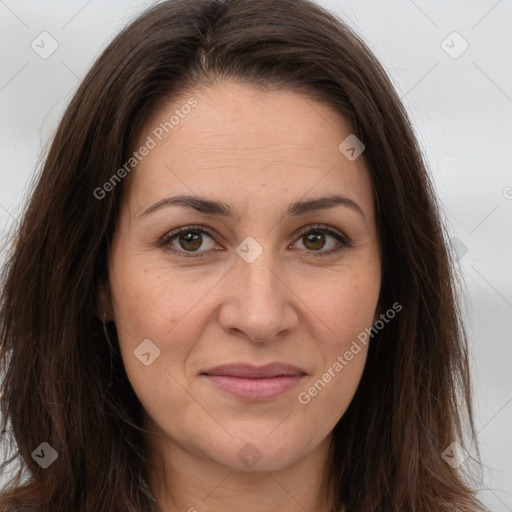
{"x": 231, "y": 288}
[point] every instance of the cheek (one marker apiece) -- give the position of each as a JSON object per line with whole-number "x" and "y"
{"x": 328, "y": 393}
{"x": 144, "y": 309}
{"x": 336, "y": 388}
{"x": 149, "y": 306}
{"x": 151, "y": 300}
{"x": 345, "y": 306}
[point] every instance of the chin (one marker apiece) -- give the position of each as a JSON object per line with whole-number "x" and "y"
{"x": 260, "y": 452}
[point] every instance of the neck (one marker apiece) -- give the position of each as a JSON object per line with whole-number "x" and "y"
{"x": 185, "y": 481}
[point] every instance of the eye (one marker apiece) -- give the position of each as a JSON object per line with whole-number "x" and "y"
{"x": 185, "y": 242}
{"x": 316, "y": 238}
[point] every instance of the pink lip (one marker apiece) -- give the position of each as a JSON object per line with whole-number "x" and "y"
{"x": 255, "y": 383}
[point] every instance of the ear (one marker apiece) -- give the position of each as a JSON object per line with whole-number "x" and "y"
{"x": 103, "y": 306}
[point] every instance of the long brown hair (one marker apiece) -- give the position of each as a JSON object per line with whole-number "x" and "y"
{"x": 63, "y": 380}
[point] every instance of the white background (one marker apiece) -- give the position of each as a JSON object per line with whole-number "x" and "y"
{"x": 461, "y": 109}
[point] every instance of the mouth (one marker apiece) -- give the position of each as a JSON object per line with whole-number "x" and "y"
{"x": 254, "y": 383}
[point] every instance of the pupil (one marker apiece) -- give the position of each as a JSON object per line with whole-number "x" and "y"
{"x": 317, "y": 240}
{"x": 193, "y": 238}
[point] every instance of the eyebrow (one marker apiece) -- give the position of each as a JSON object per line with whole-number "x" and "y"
{"x": 219, "y": 208}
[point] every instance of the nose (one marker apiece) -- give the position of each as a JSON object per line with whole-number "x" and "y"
{"x": 258, "y": 302}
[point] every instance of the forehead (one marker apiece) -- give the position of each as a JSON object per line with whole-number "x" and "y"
{"x": 238, "y": 142}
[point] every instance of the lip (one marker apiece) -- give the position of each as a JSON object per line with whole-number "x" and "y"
{"x": 249, "y": 371}
{"x": 254, "y": 383}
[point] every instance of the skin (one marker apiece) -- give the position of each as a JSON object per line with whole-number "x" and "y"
{"x": 258, "y": 152}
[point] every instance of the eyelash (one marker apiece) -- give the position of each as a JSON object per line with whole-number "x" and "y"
{"x": 168, "y": 237}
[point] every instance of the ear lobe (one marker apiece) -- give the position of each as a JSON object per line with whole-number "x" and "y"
{"x": 103, "y": 308}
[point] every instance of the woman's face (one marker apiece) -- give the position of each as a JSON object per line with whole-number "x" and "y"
{"x": 259, "y": 275}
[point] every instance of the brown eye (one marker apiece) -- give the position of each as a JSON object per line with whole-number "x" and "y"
{"x": 190, "y": 240}
{"x": 314, "y": 240}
